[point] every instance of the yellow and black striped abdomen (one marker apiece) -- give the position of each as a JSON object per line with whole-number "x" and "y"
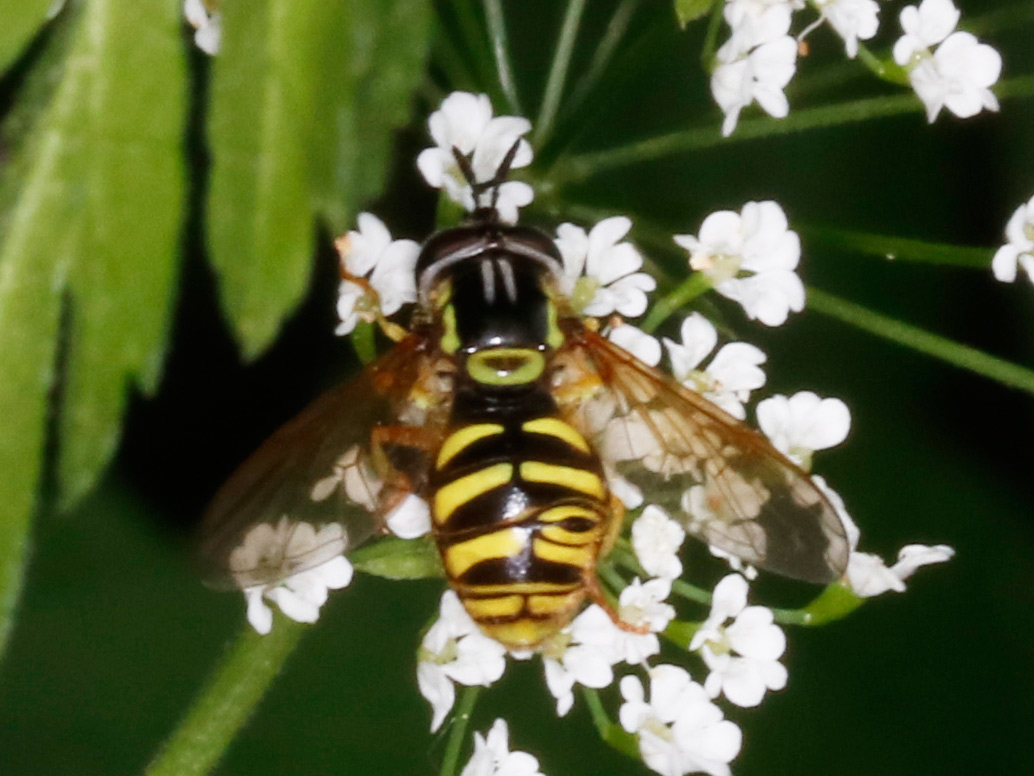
{"x": 520, "y": 509}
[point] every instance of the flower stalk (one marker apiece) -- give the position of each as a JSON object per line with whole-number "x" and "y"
{"x": 558, "y": 72}
{"x": 913, "y": 337}
{"x": 458, "y": 731}
{"x": 696, "y": 284}
{"x": 227, "y": 701}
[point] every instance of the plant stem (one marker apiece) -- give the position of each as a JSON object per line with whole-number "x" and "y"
{"x": 692, "y": 287}
{"x": 616, "y": 29}
{"x": 227, "y": 701}
{"x": 459, "y": 731}
{"x": 946, "y": 350}
{"x": 714, "y": 24}
{"x": 501, "y": 50}
{"x": 597, "y": 712}
{"x": 614, "y": 580}
{"x": 473, "y": 41}
{"x": 578, "y": 168}
{"x": 558, "y": 72}
{"x": 613, "y": 735}
{"x": 832, "y": 604}
{"x": 582, "y": 166}
{"x": 885, "y": 69}
{"x": 691, "y": 592}
{"x": 897, "y": 248}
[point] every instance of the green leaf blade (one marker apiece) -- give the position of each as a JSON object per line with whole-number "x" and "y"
{"x": 305, "y": 96}
{"x": 260, "y": 230}
{"x": 22, "y": 21}
{"x": 387, "y": 47}
{"x": 688, "y": 11}
{"x": 123, "y": 281}
{"x": 42, "y": 228}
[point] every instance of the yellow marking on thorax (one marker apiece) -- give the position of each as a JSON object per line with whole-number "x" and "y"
{"x": 490, "y": 546}
{"x": 580, "y": 557}
{"x": 576, "y": 479}
{"x": 557, "y": 428}
{"x": 464, "y": 438}
{"x": 458, "y": 492}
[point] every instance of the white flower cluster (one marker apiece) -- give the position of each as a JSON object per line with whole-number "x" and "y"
{"x": 733, "y": 372}
{"x": 492, "y": 755}
{"x": 867, "y": 575}
{"x": 454, "y": 651}
{"x": 464, "y": 123}
{"x": 959, "y": 74}
{"x": 600, "y": 272}
{"x": 749, "y": 257}
{"x": 1018, "y": 251}
{"x": 759, "y": 58}
{"x": 679, "y": 729}
{"x": 299, "y": 594}
{"x": 377, "y": 273}
{"x": 757, "y": 61}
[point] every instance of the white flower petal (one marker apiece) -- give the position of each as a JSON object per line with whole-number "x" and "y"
{"x": 637, "y": 342}
{"x": 912, "y": 556}
{"x": 656, "y": 539}
{"x": 259, "y": 615}
{"x": 410, "y": 519}
{"x": 699, "y": 338}
{"x": 869, "y": 576}
{"x": 439, "y": 691}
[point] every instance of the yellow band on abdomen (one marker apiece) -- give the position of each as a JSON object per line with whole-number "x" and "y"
{"x": 582, "y": 480}
{"x": 503, "y": 543}
{"x": 557, "y": 428}
{"x": 458, "y": 492}
{"x": 463, "y": 439}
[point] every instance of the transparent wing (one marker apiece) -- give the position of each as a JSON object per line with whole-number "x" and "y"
{"x": 322, "y": 484}
{"x": 722, "y": 480}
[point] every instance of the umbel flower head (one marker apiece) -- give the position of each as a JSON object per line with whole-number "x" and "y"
{"x": 671, "y": 460}
{"x": 465, "y": 123}
{"x": 756, "y": 63}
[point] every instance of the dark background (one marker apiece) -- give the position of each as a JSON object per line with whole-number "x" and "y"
{"x": 116, "y": 634}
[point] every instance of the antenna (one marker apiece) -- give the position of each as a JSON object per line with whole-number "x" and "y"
{"x": 479, "y": 187}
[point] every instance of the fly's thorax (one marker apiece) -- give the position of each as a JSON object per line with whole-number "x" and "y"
{"x": 492, "y": 286}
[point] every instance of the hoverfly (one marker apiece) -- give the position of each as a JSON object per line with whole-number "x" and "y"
{"x": 512, "y": 418}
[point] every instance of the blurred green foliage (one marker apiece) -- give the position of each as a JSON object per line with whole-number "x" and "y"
{"x": 163, "y": 212}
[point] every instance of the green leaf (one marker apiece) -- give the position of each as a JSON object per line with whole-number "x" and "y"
{"x": 304, "y": 98}
{"x": 383, "y": 48}
{"x": 22, "y": 21}
{"x": 94, "y": 224}
{"x": 123, "y": 282}
{"x": 687, "y": 11}
{"x": 394, "y": 558}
